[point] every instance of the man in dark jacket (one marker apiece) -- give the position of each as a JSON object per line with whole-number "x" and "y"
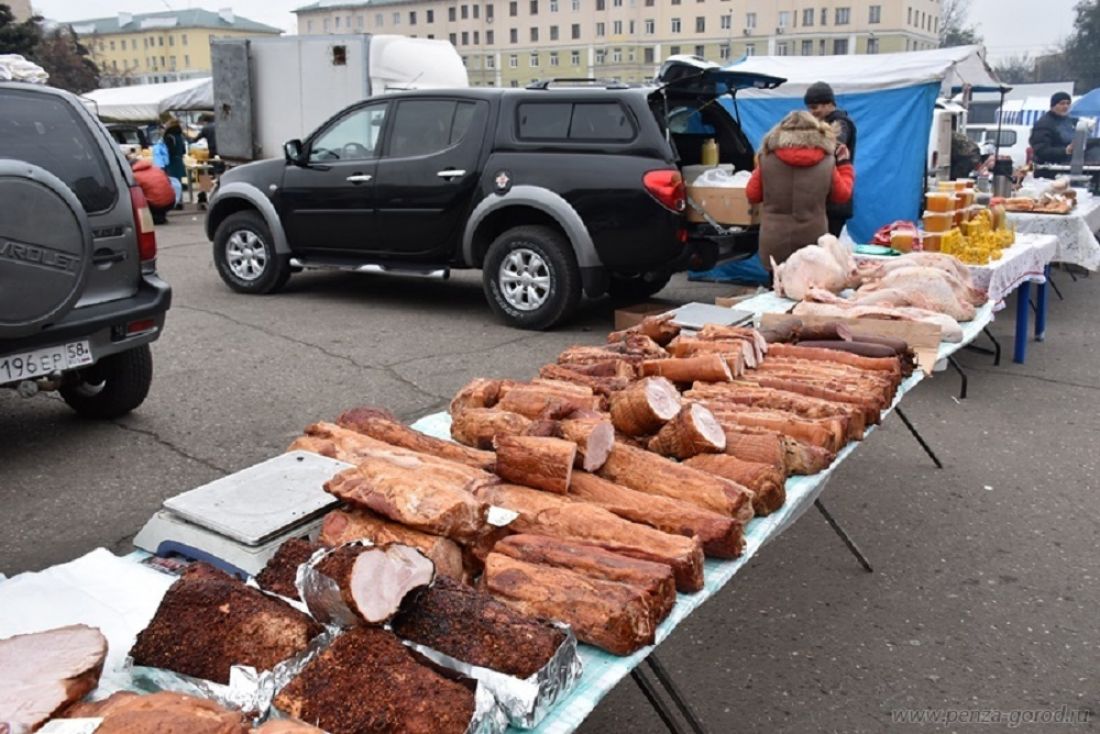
{"x": 1052, "y": 137}
{"x": 821, "y": 102}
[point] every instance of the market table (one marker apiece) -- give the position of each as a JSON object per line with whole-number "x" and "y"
{"x": 1027, "y": 261}
{"x": 1076, "y": 243}
{"x": 602, "y": 670}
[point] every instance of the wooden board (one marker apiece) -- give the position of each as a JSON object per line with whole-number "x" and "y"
{"x": 923, "y": 338}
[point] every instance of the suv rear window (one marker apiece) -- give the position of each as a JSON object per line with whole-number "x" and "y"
{"x": 574, "y": 121}
{"x": 44, "y": 130}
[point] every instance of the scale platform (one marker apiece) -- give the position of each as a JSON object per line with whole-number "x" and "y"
{"x": 694, "y": 316}
{"x": 239, "y": 521}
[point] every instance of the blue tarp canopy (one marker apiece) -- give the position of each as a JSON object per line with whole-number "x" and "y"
{"x": 890, "y": 97}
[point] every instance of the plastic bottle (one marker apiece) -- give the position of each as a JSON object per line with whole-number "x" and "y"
{"x": 710, "y": 152}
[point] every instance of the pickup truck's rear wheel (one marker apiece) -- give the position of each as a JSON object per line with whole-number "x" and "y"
{"x": 531, "y": 278}
{"x": 244, "y": 253}
{"x": 113, "y": 386}
{"x": 637, "y": 287}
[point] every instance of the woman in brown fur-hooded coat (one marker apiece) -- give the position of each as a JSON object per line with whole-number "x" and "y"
{"x": 799, "y": 168}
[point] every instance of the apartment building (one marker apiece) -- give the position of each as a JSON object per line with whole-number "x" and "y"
{"x": 147, "y": 48}
{"x": 515, "y": 42}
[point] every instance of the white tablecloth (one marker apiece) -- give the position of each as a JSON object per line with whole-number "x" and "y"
{"x": 1025, "y": 261}
{"x": 1077, "y": 244}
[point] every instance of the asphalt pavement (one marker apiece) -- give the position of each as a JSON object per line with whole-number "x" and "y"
{"x": 984, "y": 603}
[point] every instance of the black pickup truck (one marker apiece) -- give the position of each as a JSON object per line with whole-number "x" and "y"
{"x": 553, "y": 191}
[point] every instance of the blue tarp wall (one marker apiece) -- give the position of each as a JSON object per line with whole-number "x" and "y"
{"x": 893, "y": 127}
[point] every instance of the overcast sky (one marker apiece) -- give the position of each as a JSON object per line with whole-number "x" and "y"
{"x": 1009, "y": 27}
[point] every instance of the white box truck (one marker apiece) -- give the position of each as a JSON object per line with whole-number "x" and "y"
{"x": 271, "y": 90}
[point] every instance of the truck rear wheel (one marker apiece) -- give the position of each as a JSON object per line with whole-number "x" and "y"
{"x": 531, "y": 278}
{"x": 113, "y": 386}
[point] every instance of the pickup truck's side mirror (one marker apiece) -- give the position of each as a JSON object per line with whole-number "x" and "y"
{"x": 293, "y": 151}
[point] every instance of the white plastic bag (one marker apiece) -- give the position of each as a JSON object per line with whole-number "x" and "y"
{"x": 718, "y": 178}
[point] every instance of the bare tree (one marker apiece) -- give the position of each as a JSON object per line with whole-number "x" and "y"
{"x": 954, "y": 28}
{"x": 1016, "y": 69}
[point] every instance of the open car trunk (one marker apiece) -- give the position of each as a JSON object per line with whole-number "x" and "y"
{"x": 689, "y": 106}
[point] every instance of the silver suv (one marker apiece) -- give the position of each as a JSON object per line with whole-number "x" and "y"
{"x": 80, "y": 300}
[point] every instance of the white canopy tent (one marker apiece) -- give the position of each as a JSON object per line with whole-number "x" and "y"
{"x": 145, "y": 102}
{"x": 951, "y": 67}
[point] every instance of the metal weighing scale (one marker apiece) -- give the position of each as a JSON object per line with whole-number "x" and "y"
{"x": 238, "y": 522}
{"x": 694, "y": 316}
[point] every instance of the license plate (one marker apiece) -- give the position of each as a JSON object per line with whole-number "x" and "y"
{"x": 41, "y": 362}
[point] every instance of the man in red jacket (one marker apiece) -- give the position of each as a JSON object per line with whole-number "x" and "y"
{"x": 158, "y": 190}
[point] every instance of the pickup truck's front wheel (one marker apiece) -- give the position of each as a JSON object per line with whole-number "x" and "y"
{"x": 531, "y": 278}
{"x": 113, "y": 386}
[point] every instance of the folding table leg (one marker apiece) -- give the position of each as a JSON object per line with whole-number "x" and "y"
{"x": 654, "y": 698}
{"x": 1023, "y": 298}
{"x": 1054, "y": 285}
{"x": 958, "y": 368}
{"x": 674, "y": 693}
{"x": 1041, "y": 308}
{"x": 845, "y": 537}
{"x": 920, "y": 439}
{"x": 996, "y": 347}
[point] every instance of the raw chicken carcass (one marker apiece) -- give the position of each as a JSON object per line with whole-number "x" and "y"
{"x": 922, "y": 287}
{"x": 957, "y": 274}
{"x": 828, "y": 264}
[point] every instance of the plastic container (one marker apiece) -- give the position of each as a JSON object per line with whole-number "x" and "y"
{"x": 710, "y": 152}
{"x": 902, "y": 241}
{"x": 931, "y": 242}
{"x": 962, "y": 184}
{"x": 939, "y": 201}
{"x": 965, "y": 198}
{"x": 938, "y": 221}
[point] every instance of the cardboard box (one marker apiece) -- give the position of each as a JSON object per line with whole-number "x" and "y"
{"x": 633, "y": 315}
{"x": 724, "y": 205}
{"x": 740, "y": 293}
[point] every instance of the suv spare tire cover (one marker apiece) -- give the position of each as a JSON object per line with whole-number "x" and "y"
{"x": 45, "y": 248}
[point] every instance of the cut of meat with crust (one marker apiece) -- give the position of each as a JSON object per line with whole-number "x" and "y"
{"x": 761, "y": 445}
{"x": 828, "y": 433}
{"x": 614, "y": 617}
{"x": 888, "y": 364}
{"x": 163, "y": 712}
{"x": 871, "y": 407}
{"x": 477, "y": 393}
{"x": 647, "y": 472}
{"x": 422, "y": 496}
{"x": 406, "y": 694}
{"x": 693, "y": 431}
{"x": 604, "y": 385}
{"x": 470, "y": 625}
{"x": 374, "y": 580}
{"x": 767, "y": 483}
{"x": 43, "y": 672}
{"x": 653, "y": 579}
{"x": 208, "y": 621}
{"x": 721, "y": 535}
{"x": 381, "y": 425}
{"x": 594, "y": 436}
{"x": 329, "y": 439}
{"x": 286, "y": 726}
{"x": 280, "y": 573}
{"x": 480, "y": 427}
{"x": 705, "y": 368}
{"x": 542, "y": 463}
{"x": 345, "y": 526}
{"x": 541, "y": 513}
{"x": 660, "y": 329}
{"x": 540, "y": 401}
{"x": 645, "y": 406}
{"x": 737, "y": 353}
{"x": 610, "y": 368}
{"x": 802, "y": 405}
